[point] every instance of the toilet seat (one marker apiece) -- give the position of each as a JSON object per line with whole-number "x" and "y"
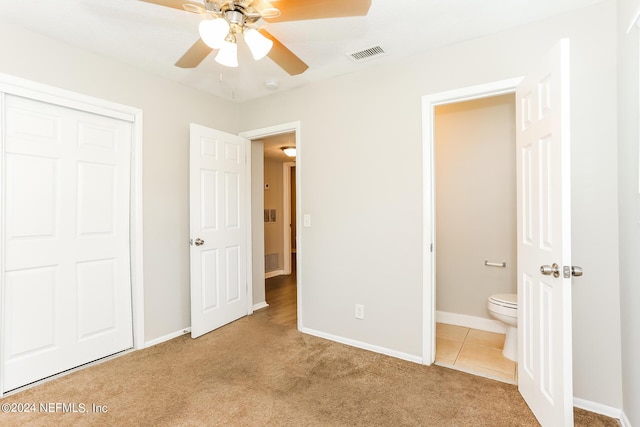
{"x": 505, "y": 300}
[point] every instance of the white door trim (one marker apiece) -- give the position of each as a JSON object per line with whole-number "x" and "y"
{"x": 429, "y": 102}
{"x": 275, "y": 130}
{"x": 41, "y": 92}
{"x": 286, "y": 215}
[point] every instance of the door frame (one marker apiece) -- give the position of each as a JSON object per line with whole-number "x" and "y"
{"x": 429, "y": 102}
{"x": 276, "y": 130}
{"x": 286, "y": 215}
{"x": 65, "y": 98}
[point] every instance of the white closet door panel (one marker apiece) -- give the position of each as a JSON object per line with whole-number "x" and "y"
{"x": 31, "y": 310}
{"x": 67, "y": 267}
{"x": 97, "y": 207}
{"x": 96, "y": 297}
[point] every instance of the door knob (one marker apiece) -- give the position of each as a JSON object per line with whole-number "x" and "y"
{"x": 199, "y": 242}
{"x": 576, "y": 271}
{"x": 548, "y": 270}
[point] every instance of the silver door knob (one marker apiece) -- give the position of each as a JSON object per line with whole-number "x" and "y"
{"x": 576, "y": 271}
{"x": 199, "y": 242}
{"x": 548, "y": 270}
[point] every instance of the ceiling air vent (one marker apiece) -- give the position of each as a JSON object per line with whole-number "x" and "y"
{"x": 368, "y": 53}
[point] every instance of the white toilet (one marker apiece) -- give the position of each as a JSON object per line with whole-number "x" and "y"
{"x": 504, "y": 307}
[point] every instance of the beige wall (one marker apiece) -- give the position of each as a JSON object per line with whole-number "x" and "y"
{"x": 168, "y": 108}
{"x": 274, "y": 199}
{"x": 365, "y": 243}
{"x": 475, "y": 203}
{"x": 629, "y": 202}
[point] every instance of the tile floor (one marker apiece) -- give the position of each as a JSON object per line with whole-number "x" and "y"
{"x": 474, "y": 351}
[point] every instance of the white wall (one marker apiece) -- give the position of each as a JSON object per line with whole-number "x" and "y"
{"x": 168, "y": 109}
{"x": 475, "y": 162}
{"x": 365, "y": 243}
{"x": 629, "y": 202}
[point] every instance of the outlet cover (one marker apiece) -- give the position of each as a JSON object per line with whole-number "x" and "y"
{"x": 359, "y": 311}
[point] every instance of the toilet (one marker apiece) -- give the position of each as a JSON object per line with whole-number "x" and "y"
{"x": 504, "y": 307}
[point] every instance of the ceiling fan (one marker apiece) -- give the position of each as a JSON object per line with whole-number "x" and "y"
{"x": 226, "y": 19}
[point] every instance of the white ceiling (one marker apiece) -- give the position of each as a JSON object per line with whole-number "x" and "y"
{"x": 154, "y": 37}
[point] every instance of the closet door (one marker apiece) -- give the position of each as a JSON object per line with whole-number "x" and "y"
{"x": 65, "y": 255}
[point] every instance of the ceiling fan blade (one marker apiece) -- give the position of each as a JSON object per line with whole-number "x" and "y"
{"x": 296, "y": 10}
{"x": 266, "y": 9}
{"x": 194, "y": 55}
{"x": 282, "y": 56}
{"x": 175, "y": 4}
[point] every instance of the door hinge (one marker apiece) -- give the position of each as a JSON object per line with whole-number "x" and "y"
{"x": 431, "y": 248}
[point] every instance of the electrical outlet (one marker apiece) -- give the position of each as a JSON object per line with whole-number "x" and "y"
{"x": 359, "y": 311}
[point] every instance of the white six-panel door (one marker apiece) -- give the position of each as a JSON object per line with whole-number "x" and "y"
{"x": 544, "y": 239}
{"x": 218, "y": 222}
{"x": 66, "y": 265}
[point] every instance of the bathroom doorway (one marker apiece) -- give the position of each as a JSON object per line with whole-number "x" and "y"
{"x": 475, "y": 231}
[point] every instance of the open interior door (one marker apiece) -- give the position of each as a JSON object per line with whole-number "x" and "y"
{"x": 544, "y": 240}
{"x": 218, "y": 222}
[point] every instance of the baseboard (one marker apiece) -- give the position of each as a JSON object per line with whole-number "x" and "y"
{"x": 597, "y": 408}
{"x": 363, "y": 345}
{"x": 167, "y": 337}
{"x": 274, "y": 273}
{"x": 624, "y": 421}
{"x": 473, "y": 322}
{"x": 260, "y": 305}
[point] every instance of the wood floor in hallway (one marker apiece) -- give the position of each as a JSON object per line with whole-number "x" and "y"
{"x": 282, "y": 297}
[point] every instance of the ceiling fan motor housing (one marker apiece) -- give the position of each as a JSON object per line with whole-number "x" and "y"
{"x": 234, "y": 17}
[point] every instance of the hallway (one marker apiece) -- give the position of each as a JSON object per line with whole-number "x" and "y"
{"x": 281, "y": 295}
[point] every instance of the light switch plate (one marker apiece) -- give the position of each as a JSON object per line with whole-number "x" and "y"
{"x": 307, "y": 220}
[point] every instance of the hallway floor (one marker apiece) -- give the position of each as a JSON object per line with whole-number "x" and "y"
{"x": 281, "y": 293}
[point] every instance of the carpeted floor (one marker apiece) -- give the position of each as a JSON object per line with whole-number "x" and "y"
{"x": 257, "y": 373}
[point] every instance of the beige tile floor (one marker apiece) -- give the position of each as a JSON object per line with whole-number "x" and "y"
{"x": 474, "y": 351}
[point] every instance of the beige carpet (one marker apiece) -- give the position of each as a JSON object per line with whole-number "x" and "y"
{"x": 256, "y": 373}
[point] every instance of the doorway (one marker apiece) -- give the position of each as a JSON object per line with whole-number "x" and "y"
{"x": 429, "y": 104}
{"x": 260, "y": 211}
{"x": 475, "y": 238}
{"x": 543, "y": 195}
{"x": 279, "y": 223}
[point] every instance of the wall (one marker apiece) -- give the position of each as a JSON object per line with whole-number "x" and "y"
{"x": 629, "y": 202}
{"x": 365, "y": 242}
{"x": 475, "y": 203}
{"x": 168, "y": 109}
{"x": 257, "y": 222}
{"x": 274, "y": 199}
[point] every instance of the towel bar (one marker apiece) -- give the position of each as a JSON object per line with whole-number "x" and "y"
{"x": 495, "y": 264}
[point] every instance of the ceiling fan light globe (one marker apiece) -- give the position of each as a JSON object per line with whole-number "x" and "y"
{"x": 258, "y": 44}
{"x": 228, "y": 54}
{"x": 213, "y": 32}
